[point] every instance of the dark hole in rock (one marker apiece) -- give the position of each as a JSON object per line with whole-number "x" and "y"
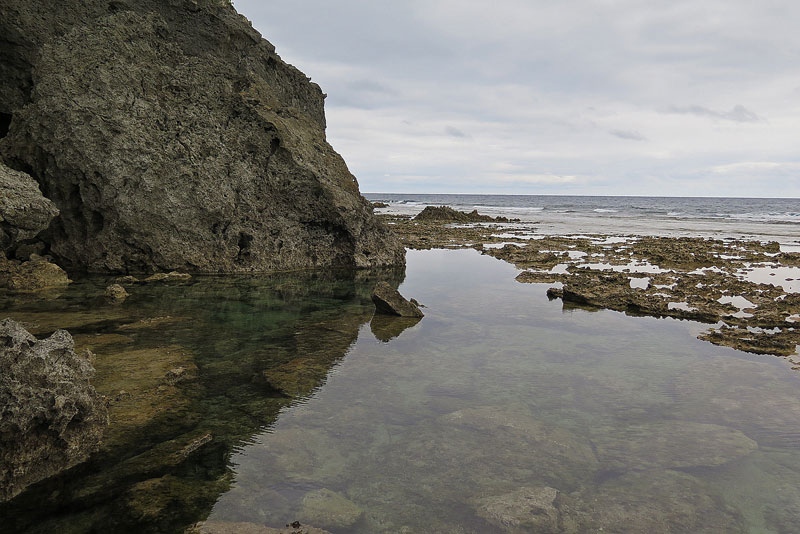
{"x": 244, "y": 245}
{"x": 5, "y": 124}
{"x": 273, "y": 145}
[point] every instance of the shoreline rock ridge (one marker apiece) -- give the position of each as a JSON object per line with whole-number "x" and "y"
{"x": 171, "y": 136}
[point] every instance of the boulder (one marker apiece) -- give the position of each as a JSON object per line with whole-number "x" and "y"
{"x": 448, "y": 214}
{"x": 36, "y": 273}
{"x": 116, "y": 293}
{"x": 530, "y": 509}
{"x": 329, "y": 509}
{"x": 24, "y": 211}
{"x": 51, "y": 418}
{"x": 389, "y": 301}
{"x": 171, "y": 136}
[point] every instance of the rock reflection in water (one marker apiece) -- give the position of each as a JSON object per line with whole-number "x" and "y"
{"x": 190, "y": 372}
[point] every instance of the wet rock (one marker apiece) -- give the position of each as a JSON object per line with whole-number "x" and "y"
{"x": 171, "y": 136}
{"x": 34, "y": 274}
{"x": 380, "y": 205}
{"x": 387, "y": 327}
{"x": 24, "y": 211}
{"x": 671, "y": 444}
{"x": 329, "y": 509}
{"x": 525, "y": 510}
{"x": 446, "y": 213}
{"x": 127, "y": 279}
{"x": 389, "y": 301}
{"x": 173, "y": 276}
{"x": 51, "y": 418}
{"x": 116, "y": 293}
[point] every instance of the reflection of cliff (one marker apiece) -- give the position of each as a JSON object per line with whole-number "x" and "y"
{"x": 190, "y": 373}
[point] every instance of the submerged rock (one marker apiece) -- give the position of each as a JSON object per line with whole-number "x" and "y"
{"x": 525, "y": 510}
{"x": 51, "y": 418}
{"x": 116, "y": 293}
{"x": 671, "y": 444}
{"x": 224, "y": 527}
{"x": 329, "y": 509}
{"x": 173, "y": 276}
{"x": 171, "y": 136}
{"x": 389, "y": 301}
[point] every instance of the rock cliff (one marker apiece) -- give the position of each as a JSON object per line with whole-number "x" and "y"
{"x": 51, "y": 418}
{"x": 171, "y": 136}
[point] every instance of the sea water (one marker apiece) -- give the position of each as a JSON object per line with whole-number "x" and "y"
{"x": 449, "y": 424}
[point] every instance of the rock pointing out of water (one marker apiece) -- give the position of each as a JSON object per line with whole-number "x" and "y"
{"x": 389, "y": 301}
{"x": 171, "y": 136}
{"x": 51, "y": 418}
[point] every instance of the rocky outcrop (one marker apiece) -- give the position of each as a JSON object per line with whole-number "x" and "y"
{"x": 51, "y": 418}
{"x": 389, "y": 301}
{"x": 446, "y": 213}
{"x": 171, "y": 136}
{"x": 24, "y": 212}
{"x": 36, "y": 273}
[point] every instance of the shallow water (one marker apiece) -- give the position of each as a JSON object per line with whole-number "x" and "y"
{"x": 495, "y": 396}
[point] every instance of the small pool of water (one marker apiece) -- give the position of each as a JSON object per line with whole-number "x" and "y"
{"x": 497, "y": 403}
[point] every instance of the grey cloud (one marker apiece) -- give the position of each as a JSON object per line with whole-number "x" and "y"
{"x": 738, "y": 113}
{"x": 632, "y": 135}
{"x": 452, "y": 131}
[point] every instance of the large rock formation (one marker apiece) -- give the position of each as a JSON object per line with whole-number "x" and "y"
{"x": 171, "y": 136}
{"x": 51, "y": 418}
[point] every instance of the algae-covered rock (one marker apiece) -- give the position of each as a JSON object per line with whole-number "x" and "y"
{"x": 329, "y": 509}
{"x": 116, "y": 293}
{"x": 389, "y": 301}
{"x": 51, "y": 418}
{"x": 34, "y": 274}
{"x": 171, "y": 136}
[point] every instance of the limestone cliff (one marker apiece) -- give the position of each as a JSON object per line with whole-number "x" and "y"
{"x": 170, "y": 135}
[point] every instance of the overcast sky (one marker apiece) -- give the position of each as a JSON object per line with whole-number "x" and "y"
{"x": 677, "y": 98}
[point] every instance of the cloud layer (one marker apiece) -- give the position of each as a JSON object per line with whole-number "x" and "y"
{"x": 572, "y": 97}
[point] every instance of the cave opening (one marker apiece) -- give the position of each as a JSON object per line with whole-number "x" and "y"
{"x": 5, "y": 123}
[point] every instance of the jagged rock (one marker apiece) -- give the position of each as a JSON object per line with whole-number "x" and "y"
{"x": 116, "y": 293}
{"x": 329, "y": 509}
{"x": 446, "y": 213}
{"x": 171, "y": 136}
{"x": 36, "y": 273}
{"x": 389, "y": 301}
{"x": 24, "y": 212}
{"x": 51, "y": 418}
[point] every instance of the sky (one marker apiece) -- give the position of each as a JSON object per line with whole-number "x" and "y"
{"x": 590, "y": 97}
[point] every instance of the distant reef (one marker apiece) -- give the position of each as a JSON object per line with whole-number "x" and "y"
{"x": 169, "y": 135}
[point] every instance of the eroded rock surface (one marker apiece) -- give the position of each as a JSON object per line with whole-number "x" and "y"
{"x": 24, "y": 212}
{"x": 51, "y": 418}
{"x": 171, "y": 136}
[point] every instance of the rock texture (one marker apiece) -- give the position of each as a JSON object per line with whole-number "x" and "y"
{"x": 24, "y": 212}
{"x": 171, "y": 136}
{"x": 51, "y": 418}
{"x": 389, "y": 301}
{"x": 446, "y": 213}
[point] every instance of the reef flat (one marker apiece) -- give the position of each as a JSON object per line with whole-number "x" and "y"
{"x": 747, "y": 290}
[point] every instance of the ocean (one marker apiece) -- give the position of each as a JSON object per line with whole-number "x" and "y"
{"x": 773, "y": 219}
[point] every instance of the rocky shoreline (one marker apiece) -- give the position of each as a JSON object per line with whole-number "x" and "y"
{"x": 733, "y": 285}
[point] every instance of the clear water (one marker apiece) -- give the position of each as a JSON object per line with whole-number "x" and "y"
{"x": 497, "y": 391}
{"x": 755, "y": 218}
